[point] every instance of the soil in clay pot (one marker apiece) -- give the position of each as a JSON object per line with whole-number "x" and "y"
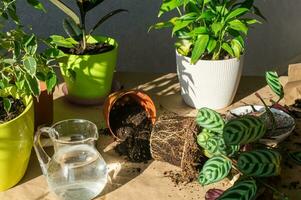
{"x": 91, "y": 49}
{"x": 17, "y": 108}
{"x": 174, "y": 140}
{"x": 131, "y": 124}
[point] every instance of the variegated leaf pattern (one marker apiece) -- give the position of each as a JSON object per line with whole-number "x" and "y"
{"x": 272, "y": 79}
{"x": 295, "y": 156}
{"x": 210, "y": 120}
{"x": 244, "y": 130}
{"x": 214, "y": 170}
{"x": 260, "y": 163}
{"x": 215, "y": 145}
{"x": 242, "y": 190}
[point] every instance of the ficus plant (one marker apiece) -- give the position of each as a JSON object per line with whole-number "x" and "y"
{"x": 75, "y": 25}
{"x": 223, "y": 141}
{"x": 209, "y": 29}
{"x": 21, "y": 66}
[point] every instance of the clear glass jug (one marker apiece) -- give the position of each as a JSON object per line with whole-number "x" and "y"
{"x": 76, "y": 171}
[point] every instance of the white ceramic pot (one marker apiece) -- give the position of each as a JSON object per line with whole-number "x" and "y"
{"x": 209, "y": 83}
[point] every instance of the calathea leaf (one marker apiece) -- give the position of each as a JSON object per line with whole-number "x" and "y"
{"x": 260, "y": 163}
{"x": 199, "y": 48}
{"x": 244, "y": 130}
{"x": 295, "y": 156}
{"x": 210, "y": 119}
{"x": 272, "y": 79}
{"x": 214, "y": 170}
{"x": 242, "y": 190}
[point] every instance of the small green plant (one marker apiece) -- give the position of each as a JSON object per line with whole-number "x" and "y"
{"x": 21, "y": 66}
{"x": 75, "y": 26}
{"x": 222, "y": 142}
{"x": 209, "y": 29}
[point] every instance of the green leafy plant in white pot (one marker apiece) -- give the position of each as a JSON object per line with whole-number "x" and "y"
{"x": 21, "y": 69}
{"x": 87, "y": 62}
{"x": 209, "y": 48}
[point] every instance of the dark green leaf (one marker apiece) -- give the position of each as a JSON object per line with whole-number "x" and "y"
{"x": 210, "y": 119}
{"x": 272, "y": 79}
{"x": 260, "y": 163}
{"x": 107, "y": 16}
{"x": 214, "y": 170}
{"x": 51, "y": 81}
{"x": 72, "y": 29}
{"x": 242, "y": 190}
{"x": 295, "y": 156}
{"x": 7, "y": 104}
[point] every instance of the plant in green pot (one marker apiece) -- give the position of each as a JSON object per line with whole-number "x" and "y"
{"x": 21, "y": 68}
{"x": 209, "y": 48}
{"x": 87, "y": 62}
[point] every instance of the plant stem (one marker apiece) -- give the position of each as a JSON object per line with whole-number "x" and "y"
{"x": 83, "y": 25}
{"x": 269, "y": 112}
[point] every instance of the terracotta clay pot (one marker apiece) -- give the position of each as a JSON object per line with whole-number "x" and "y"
{"x": 43, "y": 107}
{"x": 143, "y": 99}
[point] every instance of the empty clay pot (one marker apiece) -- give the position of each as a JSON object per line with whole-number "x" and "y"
{"x": 143, "y": 99}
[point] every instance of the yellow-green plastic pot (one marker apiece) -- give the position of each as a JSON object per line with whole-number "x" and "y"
{"x": 16, "y": 140}
{"x": 94, "y": 73}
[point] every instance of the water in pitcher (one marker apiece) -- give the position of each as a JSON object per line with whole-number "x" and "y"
{"x": 77, "y": 172}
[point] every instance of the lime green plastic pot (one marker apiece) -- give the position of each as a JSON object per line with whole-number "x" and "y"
{"x": 94, "y": 73}
{"x": 16, "y": 139}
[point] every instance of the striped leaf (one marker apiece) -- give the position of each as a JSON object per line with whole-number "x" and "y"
{"x": 260, "y": 163}
{"x": 214, "y": 170}
{"x": 244, "y": 130}
{"x": 295, "y": 156}
{"x": 215, "y": 145}
{"x": 210, "y": 120}
{"x": 272, "y": 79}
{"x": 242, "y": 190}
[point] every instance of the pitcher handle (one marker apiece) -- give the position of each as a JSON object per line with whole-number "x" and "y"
{"x": 43, "y": 157}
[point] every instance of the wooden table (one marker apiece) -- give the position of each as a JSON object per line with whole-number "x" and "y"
{"x": 145, "y": 181}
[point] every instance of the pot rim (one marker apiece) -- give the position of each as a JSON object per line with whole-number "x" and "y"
{"x": 99, "y": 38}
{"x": 210, "y": 61}
{"x": 29, "y": 103}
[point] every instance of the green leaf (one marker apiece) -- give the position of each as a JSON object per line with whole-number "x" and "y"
{"x": 211, "y": 45}
{"x": 30, "y": 44}
{"x": 36, "y": 4}
{"x": 51, "y": 81}
{"x": 214, "y": 170}
{"x": 272, "y": 79}
{"x": 166, "y": 24}
{"x": 33, "y": 85}
{"x": 244, "y": 130}
{"x": 105, "y": 18}
{"x": 183, "y": 47}
{"x": 228, "y": 49}
{"x": 54, "y": 53}
{"x": 210, "y": 119}
{"x": 217, "y": 27}
{"x": 260, "y": 163}
{"x": 215, "y": 144}
{"x": 236, "y": 47}
{"x": 198, "y": 31}
{"x": 72, "y": 29}
{"x": 30, "y": 65}
{"x": 180, "y": 24}
{"x": 207, "y": 15}
{"x": 89, "y": 5}
{"x": 295, "y": 156}
{"x": 68, "y": 11}
{"x": 238, "y": 25}
{"x": 7, "y": 104}
{"x": 199, "y": 48}
{"x": 169, "y": 5}
{"x": 62, "y": 42}
{"x": 242, "y": 190}
{"x": 235, "y": 13}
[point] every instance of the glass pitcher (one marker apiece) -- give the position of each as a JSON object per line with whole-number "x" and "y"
{"x": 76, "y": 170}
